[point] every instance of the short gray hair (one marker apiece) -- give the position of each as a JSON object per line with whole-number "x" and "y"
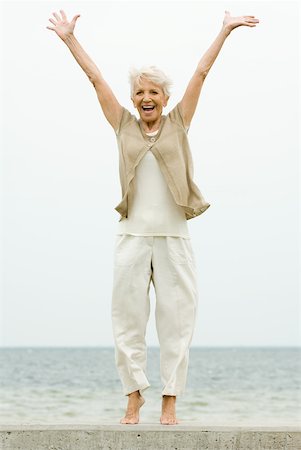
{"x": 153, "y": 74}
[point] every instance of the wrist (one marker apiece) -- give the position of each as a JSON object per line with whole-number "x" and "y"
{"x": 225, "y": 30}
{"x": 67, "y": 37}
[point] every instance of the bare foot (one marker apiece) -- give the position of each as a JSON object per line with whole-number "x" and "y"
{"x": 135, "y": 402}
{"x": 168, "y": 416}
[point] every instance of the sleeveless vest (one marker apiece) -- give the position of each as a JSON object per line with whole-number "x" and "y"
{"x": 171, "y": 148}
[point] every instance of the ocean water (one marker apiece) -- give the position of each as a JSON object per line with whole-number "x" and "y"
{"x": 225, "y": 386}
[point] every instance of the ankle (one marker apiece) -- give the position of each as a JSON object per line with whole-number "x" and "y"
{"x": 134, "y": 394}
{"x": 169, "y": 397}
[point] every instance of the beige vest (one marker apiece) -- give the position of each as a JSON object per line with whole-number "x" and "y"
{"x": 171, "y": 149}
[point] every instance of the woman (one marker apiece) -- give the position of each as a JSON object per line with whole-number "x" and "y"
{"x": 158, "y": 197}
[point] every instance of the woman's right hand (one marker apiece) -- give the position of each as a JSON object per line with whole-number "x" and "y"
{"x": 62, "y": 27}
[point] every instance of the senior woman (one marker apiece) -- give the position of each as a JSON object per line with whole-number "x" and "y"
{"x": 159, "y": 196}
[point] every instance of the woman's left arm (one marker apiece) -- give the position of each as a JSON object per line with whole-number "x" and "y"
{"x": 192, "y": 93}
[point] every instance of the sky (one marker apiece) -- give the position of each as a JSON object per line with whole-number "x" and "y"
{"x": 60, "y": 179}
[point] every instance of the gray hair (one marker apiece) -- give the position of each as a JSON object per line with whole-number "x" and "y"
{"x": 153, "y": 74}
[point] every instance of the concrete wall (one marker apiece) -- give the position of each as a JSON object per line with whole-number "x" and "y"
{"x": 151, "y": 437}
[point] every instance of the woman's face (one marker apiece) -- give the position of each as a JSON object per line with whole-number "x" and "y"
{"x": 149, "y": 99}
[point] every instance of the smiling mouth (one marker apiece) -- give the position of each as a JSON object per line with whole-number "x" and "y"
{"x": 148, "y": 108}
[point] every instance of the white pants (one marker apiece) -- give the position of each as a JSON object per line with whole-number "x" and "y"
{"x": 169, "y": 263}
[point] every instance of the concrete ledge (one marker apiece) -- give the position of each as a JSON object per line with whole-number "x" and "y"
{"x": 148, "y": 436}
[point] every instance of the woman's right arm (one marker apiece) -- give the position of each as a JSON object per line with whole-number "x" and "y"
{"x": 108, "y": 102}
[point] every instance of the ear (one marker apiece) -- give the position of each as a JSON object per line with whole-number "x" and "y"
{"x": 165, "y": 100}
{"x": 133, "y": 102}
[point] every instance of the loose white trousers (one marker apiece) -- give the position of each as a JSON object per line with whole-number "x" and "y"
{"x": 169, "y": 263}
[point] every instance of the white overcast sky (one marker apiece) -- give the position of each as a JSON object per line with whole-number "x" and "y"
{"x": 60, "y": 179}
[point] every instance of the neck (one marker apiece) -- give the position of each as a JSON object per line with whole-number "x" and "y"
{"x": 151, "y": 126}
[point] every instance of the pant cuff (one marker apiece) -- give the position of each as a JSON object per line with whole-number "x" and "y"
{"x": 131, "y": 389}
{"x": 175, "y": 393}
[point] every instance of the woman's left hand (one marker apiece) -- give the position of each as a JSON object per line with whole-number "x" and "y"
{"x": 230, "y": 23}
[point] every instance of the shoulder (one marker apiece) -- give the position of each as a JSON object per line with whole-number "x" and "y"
{"x": 176, "y": 116}
{"x": 125, "y": 120}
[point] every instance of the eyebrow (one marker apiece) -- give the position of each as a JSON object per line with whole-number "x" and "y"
{"x": 140, "y": 89}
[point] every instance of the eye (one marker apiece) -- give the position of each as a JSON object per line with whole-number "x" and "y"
{"x": 154, "y": 92}
{"x": 139, "y": 92}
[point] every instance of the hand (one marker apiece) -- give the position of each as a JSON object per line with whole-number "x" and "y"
{"x": 62, "y": 27}
{"x": 230, "y": 23}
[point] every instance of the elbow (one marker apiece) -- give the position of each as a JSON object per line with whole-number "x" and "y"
{"x": 93, "y": 82}
{"x": 203, "y": 68}
{"x": 203, "y": 74}
{"x": 94, "y": 78}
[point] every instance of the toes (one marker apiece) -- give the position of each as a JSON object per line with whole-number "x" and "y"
{"x": 126, "y": 421}
{"x": 168, "y": 421}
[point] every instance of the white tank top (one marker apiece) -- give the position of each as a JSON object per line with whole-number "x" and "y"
{"x": 152, "y": 210}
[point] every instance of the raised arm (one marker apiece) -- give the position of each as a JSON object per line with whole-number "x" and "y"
{"x": 191, "y": 96}
{"x": 108, "y": 102}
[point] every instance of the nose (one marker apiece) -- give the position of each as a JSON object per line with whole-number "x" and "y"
{"x": 146, "y": 96}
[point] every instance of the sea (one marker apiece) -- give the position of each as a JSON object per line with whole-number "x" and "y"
{"x": 233, "y": 386}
